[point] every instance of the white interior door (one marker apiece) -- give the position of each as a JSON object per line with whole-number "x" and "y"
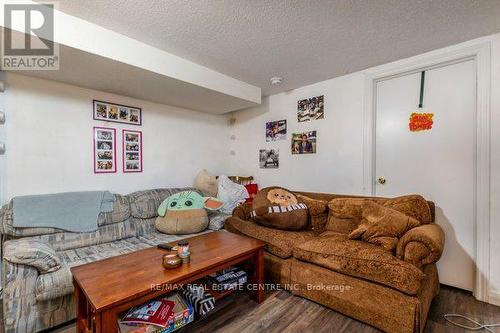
{"x": 438, "y": 163}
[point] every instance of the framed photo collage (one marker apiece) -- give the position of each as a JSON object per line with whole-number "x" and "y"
{"x": 104, "y": 138}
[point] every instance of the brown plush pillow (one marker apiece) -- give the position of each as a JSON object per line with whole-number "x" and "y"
{"x": 317, "y": 212}
{"x": 382, "y": 226}
{"x": 276, "y": 207}
{"x": 413, "y": 205}
{"x": 345, "y": 214}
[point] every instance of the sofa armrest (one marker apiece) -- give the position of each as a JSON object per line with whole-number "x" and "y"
{"x": 421, "y": 245}
{"x": 19, "y": 302}
{"x": 31, "y": 252}
{"x": 3, "y": 219}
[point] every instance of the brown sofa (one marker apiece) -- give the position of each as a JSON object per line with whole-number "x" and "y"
{"x": 391, "y": 291}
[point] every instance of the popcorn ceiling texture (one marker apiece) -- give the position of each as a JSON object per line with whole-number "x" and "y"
{"x": 302, "y": 41}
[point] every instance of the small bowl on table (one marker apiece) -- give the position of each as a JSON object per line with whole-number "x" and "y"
{"x": 170, "y": 261}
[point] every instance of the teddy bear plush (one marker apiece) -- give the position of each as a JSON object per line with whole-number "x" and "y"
{"x": 185, "y": 213}
{"x": 277, "y": 207}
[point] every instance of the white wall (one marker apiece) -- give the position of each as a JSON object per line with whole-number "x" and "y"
{"x": 50, "y": 149}
{"x": 338, "y": 165}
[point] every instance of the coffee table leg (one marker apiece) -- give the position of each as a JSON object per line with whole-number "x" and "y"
{"x": 259, "y": 295}
{"x": 109, "y": 322}
{"x": 82, "y": 315}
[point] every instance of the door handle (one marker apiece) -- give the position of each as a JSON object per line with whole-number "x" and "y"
{"x": 381, "y": 180}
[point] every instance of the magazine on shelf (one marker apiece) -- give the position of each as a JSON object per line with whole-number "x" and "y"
{"x": 154, "y": 312}
{"x": 181, "y": 313}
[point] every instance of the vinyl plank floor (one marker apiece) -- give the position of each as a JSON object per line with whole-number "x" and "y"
{"x": 283, "y": 312}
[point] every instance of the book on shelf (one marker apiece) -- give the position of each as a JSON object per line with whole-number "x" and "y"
{"x": 163, "y": 315}
{"x": 228, "y": 279}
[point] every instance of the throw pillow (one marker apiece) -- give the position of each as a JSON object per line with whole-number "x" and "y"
{"x": 276, "y": 207}
{"x": 382, "y": 226}
{"x": 345, "y": 214}
{"x": 32, "y": 253}
{"x": 231, "y": 194}
{"x": 413, "y": 205}
{"x": 206, "y": 183}
{"x": 184, "y": 213}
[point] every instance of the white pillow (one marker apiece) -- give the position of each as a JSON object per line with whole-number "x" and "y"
{"x": 216, "y": 220}
{"x": 231, "y": 193}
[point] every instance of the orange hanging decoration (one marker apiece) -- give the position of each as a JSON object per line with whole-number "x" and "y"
{"x": 421, "y": 121}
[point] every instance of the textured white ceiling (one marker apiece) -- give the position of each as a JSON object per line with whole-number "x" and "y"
{"x": 304, "y": 41}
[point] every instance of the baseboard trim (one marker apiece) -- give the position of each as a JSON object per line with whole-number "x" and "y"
{"x": 494, "y": 297}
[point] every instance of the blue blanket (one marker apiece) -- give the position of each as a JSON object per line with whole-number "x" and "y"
{"x": 72, "y": 211}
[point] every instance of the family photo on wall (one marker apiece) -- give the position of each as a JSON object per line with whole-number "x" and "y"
{"x": 132, "y": 151}
{"x": 304, "y": 143}
{"x": 104, "y": 150}
{"x": 117, "y": 113}
{"x": 311, "y": 109}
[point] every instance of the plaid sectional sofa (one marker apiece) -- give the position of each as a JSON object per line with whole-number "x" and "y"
{"x": 32, "y": 301}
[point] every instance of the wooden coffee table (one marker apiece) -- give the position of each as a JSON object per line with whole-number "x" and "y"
{"x": 104, "y": 289}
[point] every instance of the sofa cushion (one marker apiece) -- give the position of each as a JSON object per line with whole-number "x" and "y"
{"x": 120, "y": 213}
{"x": 107, "y": 233}
{"x": 54, "y": 285}
{"x": 144, "y": 204}
{"x": 382, "y": 226}
{"x": 59, "y": 283}
{"x": 156, "y": 238}
{"x": 33, "y": 253}
{"x": 317, "y": 212}
{"x": 360, "y": 259}
{"x": 345, "y": 214}
{"x": 278, "y": 242}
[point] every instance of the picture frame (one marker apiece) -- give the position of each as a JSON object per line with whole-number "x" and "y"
{"x": 311, "y": 108}
{"x": 132, "y": 151}
{"x": 304, "y": 143}
{"x": 104, "y": 150}
{"x": 269, "y": 158}
{"x": 117, "y": 113}
{"x": 276, "y": 130}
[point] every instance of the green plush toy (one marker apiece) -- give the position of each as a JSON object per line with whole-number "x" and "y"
{"x": 184, "y": 213}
